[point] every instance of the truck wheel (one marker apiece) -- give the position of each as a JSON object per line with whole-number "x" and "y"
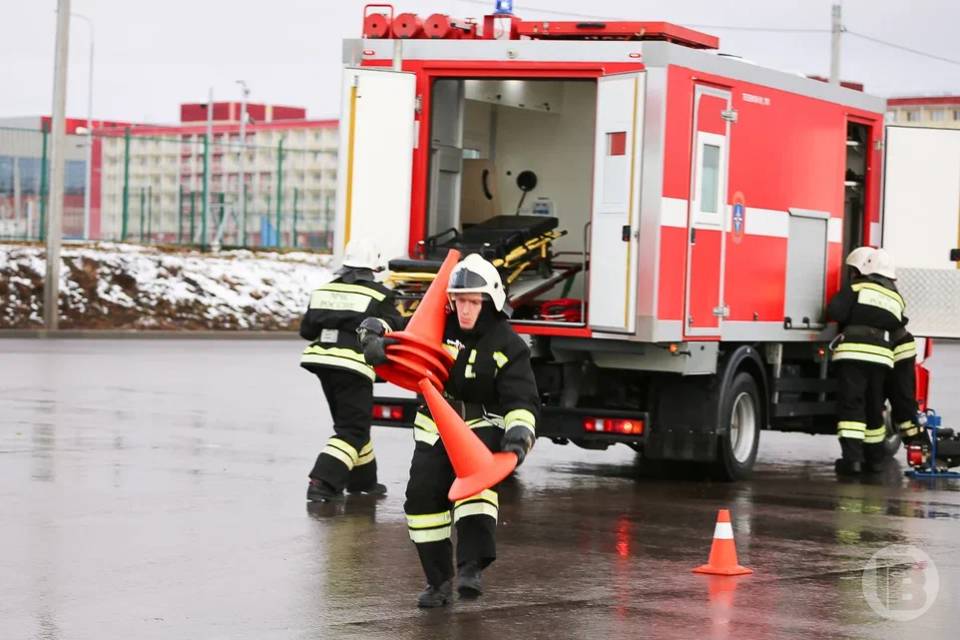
{"x": 742, "y": 412}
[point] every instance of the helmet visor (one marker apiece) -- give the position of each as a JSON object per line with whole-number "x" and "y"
{"x": 466, "y": 279}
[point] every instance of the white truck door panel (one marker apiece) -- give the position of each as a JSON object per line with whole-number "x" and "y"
{"x": 616, "y": 198}
{"x": 375, "y": 166}
{"x": 921, "y": 224}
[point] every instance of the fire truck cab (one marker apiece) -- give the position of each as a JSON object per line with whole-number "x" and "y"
{"x": 670, "y": 221}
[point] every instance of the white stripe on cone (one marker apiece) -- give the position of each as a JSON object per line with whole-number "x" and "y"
{"x": 724, "y": 531}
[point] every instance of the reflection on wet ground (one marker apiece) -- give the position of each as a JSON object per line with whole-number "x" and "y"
{"x": 155, "y": 489}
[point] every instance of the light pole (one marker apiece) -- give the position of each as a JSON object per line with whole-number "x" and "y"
{"x": 836, "y": 30}
{"x": 243, "y": 160}
{"x": 89, "y": 161}
{"x": 51, "y": 283}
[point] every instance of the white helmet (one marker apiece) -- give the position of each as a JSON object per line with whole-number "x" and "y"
{"x": 859, "y": 257}
{"x": 881, "y": 263}
{"x": 362, "y": 253}
{"x": 473, "y": 274}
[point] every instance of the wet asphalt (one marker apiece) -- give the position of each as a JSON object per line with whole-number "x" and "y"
{"x": 155, "y": 489}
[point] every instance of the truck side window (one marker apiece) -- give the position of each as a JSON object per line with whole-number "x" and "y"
{"x": 710, "y": 174}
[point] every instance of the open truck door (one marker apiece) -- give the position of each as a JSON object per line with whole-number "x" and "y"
{"x": 616, "y": 200}
{"x": 921, "y": 224}
{"x": 377, "y": 140}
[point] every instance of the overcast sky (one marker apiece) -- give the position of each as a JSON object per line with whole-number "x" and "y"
{"x": 151, "y": 56}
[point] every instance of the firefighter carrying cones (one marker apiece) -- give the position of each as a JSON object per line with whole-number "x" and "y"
{"x": 492, "y": 385}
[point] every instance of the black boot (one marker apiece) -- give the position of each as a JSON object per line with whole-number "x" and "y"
{"x": 469, "y": 584}
{"x": 433, "y": 597}
{"x": 377, "y": 490}
{"x": 845, "y": 467}
{"x": 876, "y": 467}
{"x": 320, "y": 491}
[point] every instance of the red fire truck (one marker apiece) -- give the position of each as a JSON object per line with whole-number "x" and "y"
{"x": 670, "y": 220}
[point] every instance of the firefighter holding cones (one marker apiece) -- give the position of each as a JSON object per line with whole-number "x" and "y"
{"x": 492, "y": 386}
{"x": 353, "y": 299}
{"x": 869, "y": 310}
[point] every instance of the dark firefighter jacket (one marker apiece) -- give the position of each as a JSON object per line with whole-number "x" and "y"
{"x": 869, "y": 310}
{"x": 336, "y": 310}
{"x": 491, "y": 382}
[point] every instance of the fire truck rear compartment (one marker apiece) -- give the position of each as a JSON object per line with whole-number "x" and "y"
{"x": 516, "y": 153}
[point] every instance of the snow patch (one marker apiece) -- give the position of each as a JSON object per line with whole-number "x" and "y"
{"x": 122, "y": 286}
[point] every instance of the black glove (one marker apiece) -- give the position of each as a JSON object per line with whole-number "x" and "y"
{"x": 517, "y": 440}
{"x": 375, "y": 349}
{"x": 370, "y": 329}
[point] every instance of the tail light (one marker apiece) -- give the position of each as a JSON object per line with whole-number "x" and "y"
{"x": 388, "y": 412}
{"x": 914, "y": 456}
{"x": 621, "y": 426}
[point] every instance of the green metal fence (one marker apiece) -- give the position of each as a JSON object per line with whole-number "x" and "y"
{"x": 174, "y": 189}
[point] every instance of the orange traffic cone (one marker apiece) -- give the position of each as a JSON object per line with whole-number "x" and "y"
{"x": 723, "y": 553}
{"x": 477, "y": 468}
{"x": 418, "y": 352}
{"x": 428, "y": 320}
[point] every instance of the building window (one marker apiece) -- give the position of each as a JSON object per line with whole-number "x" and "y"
{"x": 911, "y": 116}
{"x": 956, "y": 115}
{"x": 938, "y": 115}
{"x": 75, "y": 177}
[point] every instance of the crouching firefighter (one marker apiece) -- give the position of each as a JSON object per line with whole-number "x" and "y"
{"x": 336, "y": 311}
{"x": 900, "y": 388}
{"x": 492, "y": 385}
{"x": 869, "y": 310}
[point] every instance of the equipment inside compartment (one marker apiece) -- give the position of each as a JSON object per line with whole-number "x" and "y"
{"x": 510, "y": 177}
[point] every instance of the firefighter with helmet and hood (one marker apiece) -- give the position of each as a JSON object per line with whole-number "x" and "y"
{"x": 869, "y": 310}
{"x": 492, "y": 385}
{"x": 336, "y": 311}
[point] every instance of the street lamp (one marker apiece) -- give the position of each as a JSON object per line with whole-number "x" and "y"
{"x": 89, "y": 132}
{"x": 51, "y": 282}
{"x": 243, "y": 159}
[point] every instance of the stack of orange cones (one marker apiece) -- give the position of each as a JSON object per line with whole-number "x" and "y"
{"x": 723, "y": 552}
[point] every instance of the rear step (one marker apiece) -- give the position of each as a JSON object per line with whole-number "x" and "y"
{"x": 806, "y": 407}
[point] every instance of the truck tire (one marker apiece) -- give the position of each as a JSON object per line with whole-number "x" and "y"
{"x": 741, "y": 413}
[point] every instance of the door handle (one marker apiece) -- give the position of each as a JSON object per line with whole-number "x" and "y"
{"x": 625, "y": 233}
{"x": 693, "y": 235}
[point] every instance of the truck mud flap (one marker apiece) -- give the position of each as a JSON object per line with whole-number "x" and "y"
{"x": 685, "y": 421}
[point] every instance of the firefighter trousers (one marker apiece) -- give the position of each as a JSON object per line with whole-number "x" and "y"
{"x": 860, "y": 423}
{"x": 900, "y": 387}
{"x": 347, "y": 460}
{"x": 431, "y": 516}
